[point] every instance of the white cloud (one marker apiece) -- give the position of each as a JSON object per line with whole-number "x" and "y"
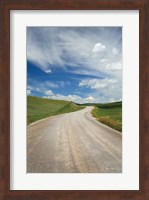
{"x": 103, "y": 60}
{"x": 73, "y": 98}
{"x": 28, "y": 92}
{"x": 32, "y": 88}
{"x": 37, "y": 89}
{"x": 78, "y": 99}
{"x": 115, "y": 51}
{"x": 111, "y": 100}
{"x": 98, "y": 48}
{"x": 46, "y": 85}
{"x": 64, "y": 47}
{"x": 90, "y": 99}
{"x": 85, "y": 51}
{"x": 48, "y": 92}
{"x": 103, "y": 90}
{"x": 51, "y": 84}
{"x": 63, "y": 83}
{"x": 114, "y": 66}
{"x": 96, "y": 83}
{"x": 47, "y": 71}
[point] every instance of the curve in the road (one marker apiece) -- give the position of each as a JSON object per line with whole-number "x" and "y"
{"x": 73, "y": 143}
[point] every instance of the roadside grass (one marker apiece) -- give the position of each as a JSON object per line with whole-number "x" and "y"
{"x": 109, "y": 114}
{"x": 39, "y": 108}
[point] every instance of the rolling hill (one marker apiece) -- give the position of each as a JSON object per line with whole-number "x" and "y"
{"x": 108, "y": 113}
{"x": 39, "y": 108}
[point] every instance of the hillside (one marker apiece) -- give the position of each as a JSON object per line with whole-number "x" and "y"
{"x": 39, "y": 108}
{"x": 109, "y": 114}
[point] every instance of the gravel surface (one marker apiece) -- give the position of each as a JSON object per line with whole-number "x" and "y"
{"x": 73, "y": 143}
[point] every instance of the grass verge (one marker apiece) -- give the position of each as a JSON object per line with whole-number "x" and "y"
{"x": 39, "y": 108}
{"x": 109, "y": 114}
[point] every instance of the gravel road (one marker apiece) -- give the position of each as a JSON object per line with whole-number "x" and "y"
{"x": 73, "y": 143}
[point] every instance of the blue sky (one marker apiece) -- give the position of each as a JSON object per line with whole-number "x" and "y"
{"x": 80, "y": 64}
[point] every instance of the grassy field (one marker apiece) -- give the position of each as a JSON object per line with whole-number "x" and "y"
{"x": 109, "y": 114}
{"x": 39, "y": 108}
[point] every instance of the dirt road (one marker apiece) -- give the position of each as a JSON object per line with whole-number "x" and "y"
{"x": 73, "y": 143}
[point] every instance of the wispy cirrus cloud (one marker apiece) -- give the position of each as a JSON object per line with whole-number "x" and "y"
{"x": 79, "y": 51}
{"x": 63, "y": 47}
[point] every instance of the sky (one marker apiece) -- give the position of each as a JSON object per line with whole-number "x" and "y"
{"x": 79, "y": 64}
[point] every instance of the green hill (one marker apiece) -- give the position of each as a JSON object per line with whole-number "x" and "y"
{"x": 109, "y": 114}
{"x": 39, "y": 108}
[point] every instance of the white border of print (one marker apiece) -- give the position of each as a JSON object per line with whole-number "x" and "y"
{"x": 129, "y": 179}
